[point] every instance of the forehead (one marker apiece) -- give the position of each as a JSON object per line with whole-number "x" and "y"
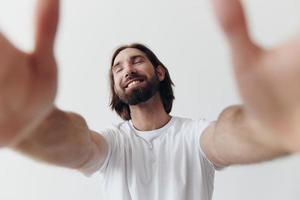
{"x": 127, "y": 54}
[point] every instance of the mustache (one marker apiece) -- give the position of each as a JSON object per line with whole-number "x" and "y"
{"x": 131, "y": 77}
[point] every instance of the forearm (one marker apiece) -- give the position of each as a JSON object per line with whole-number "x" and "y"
{"x": 62, "y": 139}
{"x": 236, "y": 138}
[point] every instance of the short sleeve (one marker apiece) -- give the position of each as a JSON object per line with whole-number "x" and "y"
{"x": 97, "y": 166}
{"x": 109, "y": 136}
{"x": 202, "y": 125}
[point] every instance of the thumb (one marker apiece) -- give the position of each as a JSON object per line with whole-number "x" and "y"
{"x": 231, "y": 17}
{"x": 47, "y": 16}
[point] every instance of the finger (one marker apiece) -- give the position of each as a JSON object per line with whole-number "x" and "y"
{"x": 5, "y": 45}
{"x": 231, "y": 17}
{"x": 8, "y": 53}
{"x": 289, "y": 52}
{"x": 47, "y": 16}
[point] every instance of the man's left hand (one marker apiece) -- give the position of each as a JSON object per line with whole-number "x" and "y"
{"x": 268, "y": 79}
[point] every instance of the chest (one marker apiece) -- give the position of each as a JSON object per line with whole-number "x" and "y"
{"x": 162, "y": 158}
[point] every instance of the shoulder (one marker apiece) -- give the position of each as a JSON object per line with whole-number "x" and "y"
{"x": 115, "y": 131}
{"x": 117, "y": 127}
{"x": 184, "y": 122}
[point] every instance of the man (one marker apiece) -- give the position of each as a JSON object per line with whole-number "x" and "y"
{"x": 153, "y": 155}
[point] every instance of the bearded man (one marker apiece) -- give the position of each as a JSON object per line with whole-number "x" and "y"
{"x": 152, "y": 155}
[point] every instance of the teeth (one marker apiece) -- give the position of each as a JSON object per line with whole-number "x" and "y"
{"x": 132, "y": 83}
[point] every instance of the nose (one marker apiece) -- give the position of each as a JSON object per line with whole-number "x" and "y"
{"x": 130, "y": 70}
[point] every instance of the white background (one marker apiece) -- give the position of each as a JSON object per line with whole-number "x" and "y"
{"x": 186, "y": 38}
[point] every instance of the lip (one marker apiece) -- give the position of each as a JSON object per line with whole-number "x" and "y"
{"x": 131, "y": 80}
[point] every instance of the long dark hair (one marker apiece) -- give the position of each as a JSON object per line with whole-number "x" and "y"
{"x": 165, "y": 86}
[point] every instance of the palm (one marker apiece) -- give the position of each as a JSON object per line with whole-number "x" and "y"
{"x": 268, "y": 80}
{"x": 28, "y": 81}
{"x": 269, "y": 85}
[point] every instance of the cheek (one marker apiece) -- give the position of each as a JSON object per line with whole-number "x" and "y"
{"x": 147, "y": 71}
{"x": 152, "y": 74}
{"x": 117, "y": 89}
{"x": 116, "y": 83}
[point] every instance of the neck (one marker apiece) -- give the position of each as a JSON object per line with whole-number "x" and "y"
{"x": 149, "y": 115}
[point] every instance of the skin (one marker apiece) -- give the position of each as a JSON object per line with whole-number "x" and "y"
{"x": 28, "y": 81}
{"x": 268, "y": 83}
{"x": 262, "y": 128}
{"x": 143, "y": 115}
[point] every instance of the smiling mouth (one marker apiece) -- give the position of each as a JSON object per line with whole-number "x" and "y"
{"x": 133, "y": 83}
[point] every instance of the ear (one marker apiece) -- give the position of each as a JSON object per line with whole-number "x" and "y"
{"x": 160, "y": 72}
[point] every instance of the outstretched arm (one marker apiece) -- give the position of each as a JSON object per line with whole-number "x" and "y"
{"x": 236, "y": 138}
{"x": 64, "y": 139}
{"x": 267, "y": 124}
{"x": 28, "y": 81}
{"x": 29, "y": 121}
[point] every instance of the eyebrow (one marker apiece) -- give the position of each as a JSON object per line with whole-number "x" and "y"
{"x": 131, "y": 58}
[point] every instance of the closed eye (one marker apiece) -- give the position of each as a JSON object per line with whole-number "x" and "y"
{"x": 138, "y": 60}
{"x": 118, "y": 69}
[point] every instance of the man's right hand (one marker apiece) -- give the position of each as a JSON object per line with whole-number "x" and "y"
{"x": 28, "y": 81}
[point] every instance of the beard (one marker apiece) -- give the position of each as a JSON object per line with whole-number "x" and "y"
{"x": 140, "y": 94}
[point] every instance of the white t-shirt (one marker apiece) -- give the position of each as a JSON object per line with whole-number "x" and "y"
{"x": 163, "y": 164}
